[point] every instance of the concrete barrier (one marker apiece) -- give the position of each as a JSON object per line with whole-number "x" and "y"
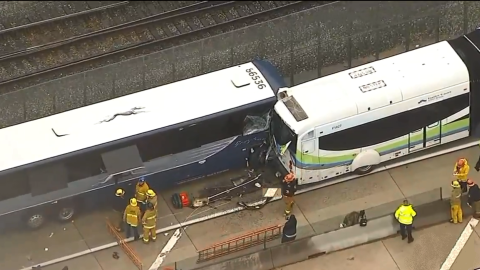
{"x": 261, "y": 260}
{"x": 303, "y": 249}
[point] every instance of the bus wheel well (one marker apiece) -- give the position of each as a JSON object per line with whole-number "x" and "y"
{"x": 365, "y": 161}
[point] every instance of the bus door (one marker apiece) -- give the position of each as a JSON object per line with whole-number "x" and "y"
{"x": 425, "y": 137}
{"x": 416, "y": 140}
{"x": 432, "y": 134}
{"x": 310, "y": 159}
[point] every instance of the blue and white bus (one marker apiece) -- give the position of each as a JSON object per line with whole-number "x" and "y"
{"x": 170, "y": 134}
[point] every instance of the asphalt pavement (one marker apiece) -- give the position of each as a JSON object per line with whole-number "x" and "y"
{"x": 23, "y": 249}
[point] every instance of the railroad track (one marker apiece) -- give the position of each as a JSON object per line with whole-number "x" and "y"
{"x": 16, "y": 14}
{"x": 139, "y": 38}
{"x": 34, "y": 36}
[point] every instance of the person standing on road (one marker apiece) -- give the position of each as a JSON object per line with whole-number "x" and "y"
{"x": 456, "y": 203}
{"x": 474, "y": 198}
{"x": 405, "y": 214}
{"x": 141, "y": 189}
{"x": 149, "y": 221}
{"x": 119, "y": 205}
{"x": 289, "y": 187}
{"x": 460, "y": 171}
{"x": 152, "y": 198}
{"x": 289, "y": 232}
{"x": 131, "y": 216}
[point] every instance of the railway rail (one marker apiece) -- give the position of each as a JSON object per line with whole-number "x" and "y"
{"x": 18, "y": 14}
{"x": 137, "y": 38}
{"x": 35, "y": 36}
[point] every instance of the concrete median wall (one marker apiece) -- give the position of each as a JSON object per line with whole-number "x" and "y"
{"x": 303, "y": 46}
{"x": 377, "y": 229}
{"x": 433, "y": 210}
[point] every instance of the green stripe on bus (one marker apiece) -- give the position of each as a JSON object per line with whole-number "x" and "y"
{"x": 309, "y": 159}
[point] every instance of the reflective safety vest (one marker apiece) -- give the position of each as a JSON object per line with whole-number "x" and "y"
{"x": 154, "y": 201}
{"x": 405, "y": 214}
{"x": 462, "y": 171}
{"x": 141, "y": 192}
{"x": 149, "y": 219}
{"x": 131, "y": 215}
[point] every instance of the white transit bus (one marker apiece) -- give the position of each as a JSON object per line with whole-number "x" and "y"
{"x": 355, "y": 119}
{"x": 170, "y": 134}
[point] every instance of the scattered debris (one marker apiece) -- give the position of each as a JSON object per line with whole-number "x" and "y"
{"x": 115, "y": 255}
{"x": 64, "y": 229}
{"x": 51, "y": 234}
{"x": 351, "y": 258}
{"x": 29, "y": 257}
{"x": 166, "y": 234}
{"x": 46, "y": 249}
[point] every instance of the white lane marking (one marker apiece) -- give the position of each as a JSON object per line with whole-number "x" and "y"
{"x": 237, "y": 209}
{"x": 166, "y": 249}
{"x": 462, "y": 240}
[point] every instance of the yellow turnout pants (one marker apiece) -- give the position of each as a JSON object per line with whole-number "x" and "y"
{"x": 288, "y": 204}
{"x": 457, "y": 213}
{"x": 149, "y": 232}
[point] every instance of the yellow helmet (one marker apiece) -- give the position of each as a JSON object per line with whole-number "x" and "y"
{"x": 150, "y": 193}
{"x": 455, "y": 184}
{"x": 133, "y": 202}
{"x": 119, "y": 192}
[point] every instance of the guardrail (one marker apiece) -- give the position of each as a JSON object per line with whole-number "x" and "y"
{"x": 240, "y": 243}
{"x": 125, "y": 247}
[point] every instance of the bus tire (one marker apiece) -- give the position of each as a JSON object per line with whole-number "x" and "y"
{"x": 35, "y": 220}
{"x": 364, "y": 170}
{"x": 65, "y": 213}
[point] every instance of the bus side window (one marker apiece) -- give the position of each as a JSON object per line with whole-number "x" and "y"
{"x": 14, "y": 185}
{"x": 47, "y": 178}
{"x": 84, "y": 166}
{"x": 388, "y": 128}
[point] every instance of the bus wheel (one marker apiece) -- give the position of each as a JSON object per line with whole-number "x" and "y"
{"x": 35, "y": 221}
{"x": 364, "y": 170}
{"x": 66, "y": 213}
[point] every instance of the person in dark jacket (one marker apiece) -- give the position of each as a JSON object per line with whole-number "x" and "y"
{"x": 119, "y": 203}
{"x": 289, "y": 232}
{"x": 474, "y": 198}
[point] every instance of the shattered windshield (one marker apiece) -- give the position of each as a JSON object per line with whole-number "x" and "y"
{"x": 256, "y": 123}
{"x": 282, "y": 133}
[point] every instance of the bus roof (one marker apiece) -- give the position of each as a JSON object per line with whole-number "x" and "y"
{"x": 153, "y": 109}
{"x": 371, "y": 86}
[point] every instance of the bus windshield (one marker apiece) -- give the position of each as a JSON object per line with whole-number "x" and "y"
{"x": 282, "y": 133}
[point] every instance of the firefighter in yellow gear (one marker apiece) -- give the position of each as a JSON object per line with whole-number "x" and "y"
{"x": 460, "y": 171}
{"x": 405, "y": 214}
{"x": 141, "y": 189}
{"x": 289, "y": 187}
{"x": 152, "y": 198}
{"x": 456, "y": 203}
{"x": 149, "y": 221}
{"x": 131, "y": 216}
